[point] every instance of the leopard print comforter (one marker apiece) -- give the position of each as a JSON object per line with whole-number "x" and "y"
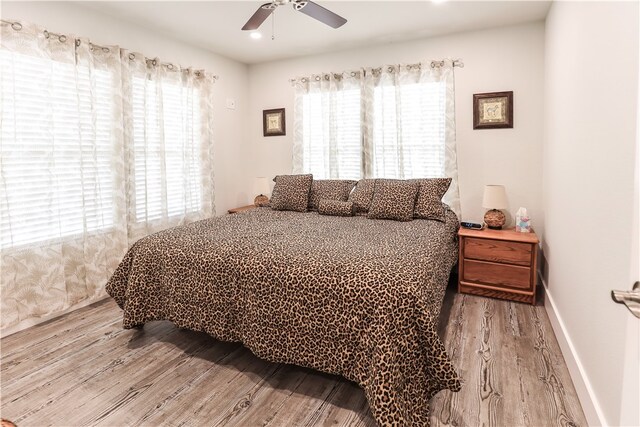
{"x": 346, "y": 295}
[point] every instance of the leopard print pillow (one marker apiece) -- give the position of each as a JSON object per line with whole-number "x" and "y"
{"x": 335, "y": 207}
{"x": 429, "y": 201}
{"x": 393, "y": 199}
{"x": 362, "y": 195}
{"x": 291, "y": 192}
{"x": 330, "y": 189}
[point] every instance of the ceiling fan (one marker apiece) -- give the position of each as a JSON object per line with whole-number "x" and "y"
{"x": 307, "y": 7}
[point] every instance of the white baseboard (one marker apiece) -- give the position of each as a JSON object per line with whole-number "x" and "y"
{"x": 27, "y": 323}
{"x": 588, "y": 400}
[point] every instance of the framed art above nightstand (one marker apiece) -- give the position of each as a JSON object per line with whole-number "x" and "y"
{"x": 493, "y": 110}
{"x": 498, "y": 264}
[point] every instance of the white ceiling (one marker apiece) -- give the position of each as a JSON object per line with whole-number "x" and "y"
{"x": 215, "y": 25}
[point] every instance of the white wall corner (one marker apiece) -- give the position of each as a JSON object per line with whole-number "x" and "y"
{"x": 586, "y": 395}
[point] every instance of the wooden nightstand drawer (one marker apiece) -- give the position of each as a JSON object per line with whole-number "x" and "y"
{"x": 498, "y": 264}
{"x": 498, "y": 251}
{"x": 490, "y": 273}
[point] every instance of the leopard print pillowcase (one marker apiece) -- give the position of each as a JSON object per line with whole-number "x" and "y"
{"x": 429, "y": 202}
{"x": 335, "y": 207}
{"x": 291, "y": 192}
{"x": 393, "y": 199}
{"x": 362, "y": 195}
{"x": 330, "y": 189}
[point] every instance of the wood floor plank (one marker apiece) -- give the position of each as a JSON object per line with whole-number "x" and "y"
{"x": 309, "y": 397}
{"x": 345, "y": 407}
{"x": 166, "y": 388}
{"x": 19, "y": 366}
{"x": 43, "y": 331}
{"x": 445, "y": 405}
{"x": 83, "y": 369}
{"x": 41, "y": 337}
{"x": 261, "y": 404}
{"x": 561, "y": 408}
{"x": 233, "y": 378}
{"x": 113, "y": 394}
{"x": 490, "y": 398}
{"x": 514, "y": 410}
{"x": 58, "y": 382}
{"x": 468, "y": 366}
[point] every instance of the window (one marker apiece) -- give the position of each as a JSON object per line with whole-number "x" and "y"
{"x": 409, "y": 130}
{"x": 383, "y": 129}
{"x": 166, "y": 139}
{"x": 56, "y": 163}
{"x": 332, "y": 137}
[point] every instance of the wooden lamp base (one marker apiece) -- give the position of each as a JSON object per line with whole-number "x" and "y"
{"x": 494, "y": 219}
{"x": 261, "y": 200}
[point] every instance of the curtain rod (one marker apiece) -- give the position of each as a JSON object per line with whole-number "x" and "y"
{"x": 17, "y": 26}
{"x": 434, "y": 64}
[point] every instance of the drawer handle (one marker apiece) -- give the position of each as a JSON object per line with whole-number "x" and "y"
{"x": 629, "y": 298}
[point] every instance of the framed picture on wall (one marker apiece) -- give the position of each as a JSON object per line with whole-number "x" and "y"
{"x": 493, "y": 110}
{"x": 273, "y": 123}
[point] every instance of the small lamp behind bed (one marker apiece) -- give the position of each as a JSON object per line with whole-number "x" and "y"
{"x": 262, "y": 188}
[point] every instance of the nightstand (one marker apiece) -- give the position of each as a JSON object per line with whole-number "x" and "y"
{"x": 241, "y": 209}
{"x": 498, "y": 263}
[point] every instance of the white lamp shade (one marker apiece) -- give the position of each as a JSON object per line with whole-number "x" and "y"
{"x": 494, "y": 197}
{"x": 262, "y": 185}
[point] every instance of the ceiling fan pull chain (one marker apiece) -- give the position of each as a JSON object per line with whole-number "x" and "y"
{"x": 273, "y": 25}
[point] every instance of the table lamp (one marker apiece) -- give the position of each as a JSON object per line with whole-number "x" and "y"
{"x": 494, "y": 198}
{"x": 262, "y": 188}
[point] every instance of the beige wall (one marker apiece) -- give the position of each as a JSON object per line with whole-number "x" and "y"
{"x": 591, "y": 78}
{"x": 500, "y": 59}
{"x": 230, "y": 148}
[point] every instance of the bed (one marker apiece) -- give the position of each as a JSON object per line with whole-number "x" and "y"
{"x": 345, "y": 295}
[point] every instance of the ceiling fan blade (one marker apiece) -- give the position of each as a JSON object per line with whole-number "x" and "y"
{"x": 318, "y": 12}
{"x": 259, "y": 17}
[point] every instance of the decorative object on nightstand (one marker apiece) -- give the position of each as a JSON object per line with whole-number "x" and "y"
{"x": 523, "y": 222}
{"x": 262, "y": 188}
{"x": 494, "y": 198}
{"x": 498, "y": 264}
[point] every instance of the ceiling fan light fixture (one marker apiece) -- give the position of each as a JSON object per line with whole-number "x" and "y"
{"x": 255, "y": 35}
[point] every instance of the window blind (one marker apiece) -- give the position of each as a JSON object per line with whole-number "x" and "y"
{"x": 409, "y": 130}
{"x": 332, "y": 133}
{"x": 406, "y": 131}
{"x": 166, "y": 139}
{"x": 55, "y": 149}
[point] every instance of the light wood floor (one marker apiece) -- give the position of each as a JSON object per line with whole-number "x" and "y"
{"x": 84, "y": 369}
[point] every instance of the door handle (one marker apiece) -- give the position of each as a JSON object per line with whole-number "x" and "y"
{"x": 629, "y": 298}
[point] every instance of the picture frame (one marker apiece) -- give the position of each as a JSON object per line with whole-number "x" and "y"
{"x": 273, "y": 122}
{"x": 493, "y": 110}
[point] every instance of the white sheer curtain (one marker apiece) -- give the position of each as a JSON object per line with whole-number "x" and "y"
{"x": 168, "y": 127}
{"x": 410, "y": 124}
{"x": 401, "y": 122}
{"x": 327, "y": 131}
{"x": 68, "y": 175}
